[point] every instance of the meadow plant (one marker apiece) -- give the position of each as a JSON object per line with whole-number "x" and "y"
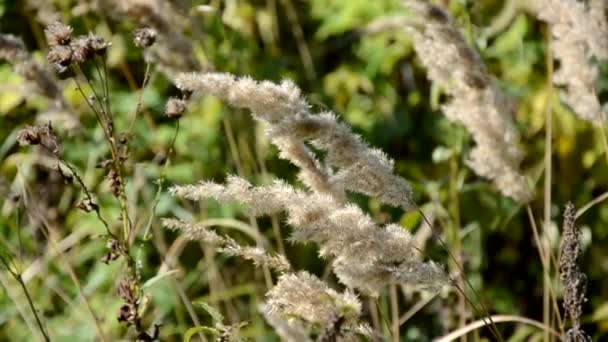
{"x": 579, "y": 30}
{"x": 371, "y": 258}
{"x": 365, "y": 256}
{"x": 475, "y": 99}
{"x": 573, "y": 280}
{"x": 69, "y": 52}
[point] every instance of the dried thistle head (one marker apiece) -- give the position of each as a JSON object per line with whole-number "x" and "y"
{"x": 81, "y": 51}
{"x": 58, "y": 33}
{"x": 86, "y": 47}
{"x": 144, "y": 37}
{"x": 97, "y": 44}
{"x": 60, "y": 55}
{"x": 175, "y": 108}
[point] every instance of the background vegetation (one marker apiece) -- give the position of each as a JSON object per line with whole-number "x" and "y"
{"x": 376, "y": 84}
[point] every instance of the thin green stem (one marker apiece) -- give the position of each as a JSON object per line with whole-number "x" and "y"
{"x": 160, "y": 183}
{"x": 141, "y": 96}
{"x": 32, "y": 307}
{"x": 491, "y": 325}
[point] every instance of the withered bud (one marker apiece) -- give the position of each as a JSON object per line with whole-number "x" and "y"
{"x": 58, "y": 34}
{"x": 144, "y": 37}
{"x": 175, "y": 108}
{"x": 97, "y": 44}
{"x": 60, "y": 55}
{"x": 86, "y": 47}
{"x": 113, "y": 253}
{"x": 114, "y": 182}
{"x": 127, "y": 290}
{"x": 39, "y": 135}
{"x": 127, "y": 313}
{"x": 86, "y": 205}
{"x": 81, "y": 50}
{"x": 28, "y": 136}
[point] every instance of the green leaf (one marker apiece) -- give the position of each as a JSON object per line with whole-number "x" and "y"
{"x": 158, "y": 277}
{"x": 410, "y": 220}
{"x": 195, "y": 330}
{"x": 217, "y": 317}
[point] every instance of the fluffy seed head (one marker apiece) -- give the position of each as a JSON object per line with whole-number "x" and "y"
{"x": 58, "y": 33}
{"x": 175, "y": 108}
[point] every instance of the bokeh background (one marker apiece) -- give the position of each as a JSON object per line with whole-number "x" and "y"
{"x": 374, "y": 82}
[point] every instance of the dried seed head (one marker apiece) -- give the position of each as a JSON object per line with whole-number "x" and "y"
{"x": 60, "y": 55}
{"x": 175, "y": 108}
{"x": 42, "y": 135}
{"x": 129, "y": 292}
{"x": 126, "y": 313}
{"x": 113, "y": 253}
{"x": 114, "y": 181}
{"x": 58, "y": 34}
{"x": 81, "y": 51}
{"x": 144, "y": 37}
{"x": 97, "y": 44}
{"x": 86, "y": 47}
{"x": 573, "y": 280}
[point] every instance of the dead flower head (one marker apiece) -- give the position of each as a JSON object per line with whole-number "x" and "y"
{"x": 144, "y": 37}
{"x": 86, "y": 47}
{"x": 175, "y": 108}
{"x": 60, "y": 55}
{"x": 42, "y": 135}
{"x": 58, "y": 34}
{"x": 114, "y": 251}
